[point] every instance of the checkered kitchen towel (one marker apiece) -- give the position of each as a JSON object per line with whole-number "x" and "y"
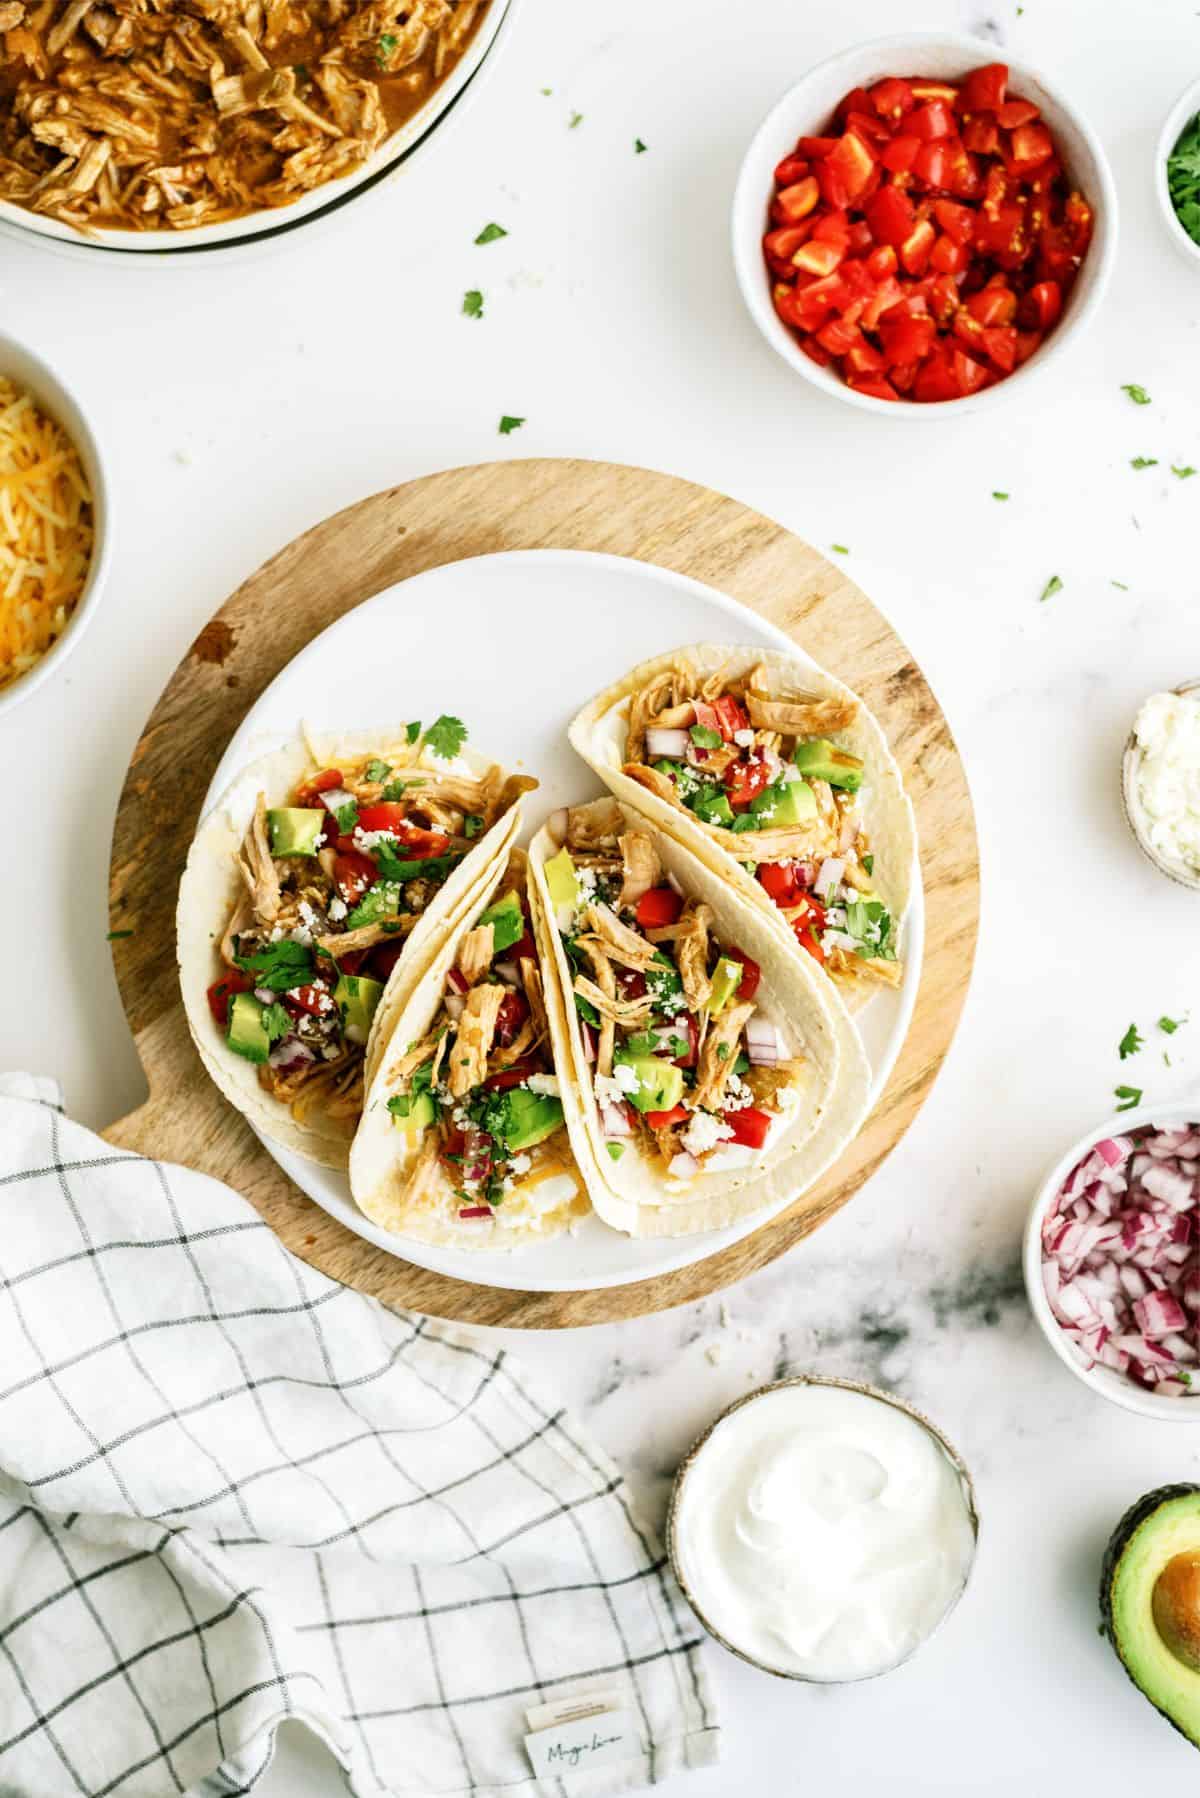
{"x": 233, "y": 1492}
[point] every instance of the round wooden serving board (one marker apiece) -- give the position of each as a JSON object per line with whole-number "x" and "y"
{"x": 443, "y": 518}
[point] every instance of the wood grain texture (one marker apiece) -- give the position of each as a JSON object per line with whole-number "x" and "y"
{"x": 443, "y": 518}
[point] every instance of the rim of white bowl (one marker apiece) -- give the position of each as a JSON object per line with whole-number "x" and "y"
{"x": 29, "y": 369}
{"x": 1103, "y": 1380}
{"x": 1185, "y": 107}
{"x": 267, "y": 225}
{"x": 750, "y": 201}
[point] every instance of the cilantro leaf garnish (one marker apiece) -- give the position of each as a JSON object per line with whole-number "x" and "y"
{"x": 276, "y": 1022}
{"x": 587, "y": 1010}
{"x": 868, "y": 862}
{"x": 381, "y": 901}
{"x": 1130, "y": 1097}
{"x": 397, "y": 790}
{"x": 509, "y": 424}
{"x": 575, "y": 119}
{"x": 279, "y": 966}
{"x": 1053, "y": 586}
{"x": 615, "y": 1150}
{"x": 744, "y": 821}
{"x": 1137, "y": 394}
{"x": 346, "y": 817}
{"x": 412, "y": 731}
{"x": 472, "y": 825}
{"x": 491, "y": 232}
{"x": 1130, "y": 1043}
{"x": 705, "y": 738}
{"x": 376, "y": 770}
{"x": 384, "y": 48}
{"x": 1120, "y": 584}
{"x": 1144, "y": 462}
{"x": 639, "y": 148}
{"x": 446, "y": 736}
{"x": 431, "y": 867}
{"x": 873, "y": 928}
{"x": 722, "y": 1051}
{"x": 840, "y": 548}
{"x": 1183, "y": 470}
{"x": 999, "y": 495}
{"x": 473, "y": 303}
{"x": 116, "y": 936}
{"x": 1170, "y": 1025}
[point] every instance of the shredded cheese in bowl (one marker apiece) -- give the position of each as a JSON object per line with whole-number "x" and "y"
{"x": 47, "y": 531}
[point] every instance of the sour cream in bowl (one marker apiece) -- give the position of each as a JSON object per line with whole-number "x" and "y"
{"x": 822, "y": 1530}
{"x": 1160, "y": 782}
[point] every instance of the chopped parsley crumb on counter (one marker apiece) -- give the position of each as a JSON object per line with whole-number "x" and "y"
{"x": 490, "y": 233}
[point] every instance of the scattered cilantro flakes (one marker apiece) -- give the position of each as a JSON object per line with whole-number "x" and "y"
{"x": 1183, "y": 178}
{"x": 384, "y": 48}
{"x": 1184, "y": 470}
{"x": 575, "y": 119}
{"x": 1130, "y": 1043}
{"x": 473, "y": 303}
{"x": 377, "y": 770}
{"x": 115, "y": 936}
{"x": 722, "y": 1051}
{"x": 1137, "y": 394}
{"x": 412, "y": 731}
{"x": 275, "y": 1021}
{"x": 999, "y": 495}
{"x": 639, "y": 148}
{"x": 446, "y": 736}
{"x": 346, "y": 817}
{"x": 1053, "y": 586}
{"x": 491, "y": 232}
{"x": 704, "y": 738}
{"x": 1169, "y": 1026}
{"x": 615, "y": 1150}
{"x": 1130, "y": 1097}
{"x": 508, "y": 425}
{"x": 547, "y": 90}
{"x": 1166, "y": 1059}
{"x": 1144, "y": 462}
{"x": 472, "y": 825}
{"x": 868, "y": 862}
{"x": 280, "y": 966}
{"x": 839, "y": 549}
{"x": 1120, "y": 584}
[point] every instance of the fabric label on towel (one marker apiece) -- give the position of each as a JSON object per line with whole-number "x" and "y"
{"x": 597, "y": 1739}
{"x": 571, "y": 1710}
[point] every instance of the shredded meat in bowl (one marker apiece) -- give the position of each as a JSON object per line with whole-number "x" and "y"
{"x": 167, "y": 114}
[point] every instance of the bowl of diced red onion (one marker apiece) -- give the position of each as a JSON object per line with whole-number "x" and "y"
{"x": 1112, "y": 1260}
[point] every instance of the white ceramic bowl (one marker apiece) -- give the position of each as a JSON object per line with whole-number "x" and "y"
{"x": 27, "y": 370}
{"x": 1185, "y": 108}
{"x": 1104, "y": 1380}
{"x": 805, "y": 111}
{"x": 1135, "y": 815}
{"x": 263, "y": 226}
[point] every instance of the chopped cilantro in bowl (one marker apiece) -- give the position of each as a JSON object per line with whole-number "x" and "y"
{"x": 1183, "y": 178}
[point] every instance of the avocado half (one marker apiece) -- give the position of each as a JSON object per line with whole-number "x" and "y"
{"x": 1150, "y": 1601}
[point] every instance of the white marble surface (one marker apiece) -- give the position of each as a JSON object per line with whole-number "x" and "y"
{"x": 244, "y": 402}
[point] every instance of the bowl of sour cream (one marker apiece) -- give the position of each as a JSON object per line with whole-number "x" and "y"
{"x": 1160, "y": 782}
{"x": 822, "y": 1530}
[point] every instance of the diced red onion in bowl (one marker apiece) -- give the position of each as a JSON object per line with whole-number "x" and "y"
{"x": 1121, "y": 1258}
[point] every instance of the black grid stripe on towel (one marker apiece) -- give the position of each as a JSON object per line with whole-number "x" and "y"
{"x": 232, "y": 1492}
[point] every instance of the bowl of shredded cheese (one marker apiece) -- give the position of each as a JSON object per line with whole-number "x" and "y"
{"x": 53, "y": 522}
{"x": 1160, "y": 782}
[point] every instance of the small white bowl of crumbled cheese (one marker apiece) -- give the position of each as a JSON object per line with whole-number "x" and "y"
{"x": 1160, "y": 782}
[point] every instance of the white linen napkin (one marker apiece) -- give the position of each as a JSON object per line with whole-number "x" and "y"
{"x": 233, "y": 1492}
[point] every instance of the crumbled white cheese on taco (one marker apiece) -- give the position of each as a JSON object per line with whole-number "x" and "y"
{"x": 704, "y": 1133}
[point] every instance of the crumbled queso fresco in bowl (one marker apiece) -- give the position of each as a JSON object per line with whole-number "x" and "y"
{"x": 1167, "y": 778}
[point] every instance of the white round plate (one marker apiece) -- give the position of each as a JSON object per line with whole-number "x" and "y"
{"x": 500, "y": 641}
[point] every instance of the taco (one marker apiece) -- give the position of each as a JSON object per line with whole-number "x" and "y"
{"x": 717, "y": 1071}
{"x": 464, "y": 1135}
{"x": 315, "y": 893}
{"x": 781, "y": 779}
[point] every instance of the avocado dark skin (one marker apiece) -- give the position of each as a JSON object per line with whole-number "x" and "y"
{"x": 1174, "y": 1600}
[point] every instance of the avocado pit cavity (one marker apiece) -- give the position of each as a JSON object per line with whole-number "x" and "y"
{"x": 1175, "y": 1606}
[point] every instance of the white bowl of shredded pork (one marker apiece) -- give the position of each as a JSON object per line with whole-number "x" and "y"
{"x": 54, "y": 522}
{"x": 170, "y": 125}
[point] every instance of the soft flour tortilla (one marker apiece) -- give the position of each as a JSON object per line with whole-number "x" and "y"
{"x": 598, "y": 732}
{"x": 211, "y": 887}
{"x": 381, "y": 1158}
{"x": 634, "y": 1193}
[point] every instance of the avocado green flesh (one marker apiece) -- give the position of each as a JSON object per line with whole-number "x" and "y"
{"x": 532, "y": 1118}
{"x": 780, "y": 807}
{"x": 660, "y": 1083}
{"x": 294, "y": 829}
{"x": 507, "y": 922}
{"x": 823, "y": 761}
{"x": 561, "y": 881}
{"x": 247, "y": 1033}
{"x": 420, "y": 1115}
{"x": 356, "y": 997}
{"x": 1164, "y": 1524}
